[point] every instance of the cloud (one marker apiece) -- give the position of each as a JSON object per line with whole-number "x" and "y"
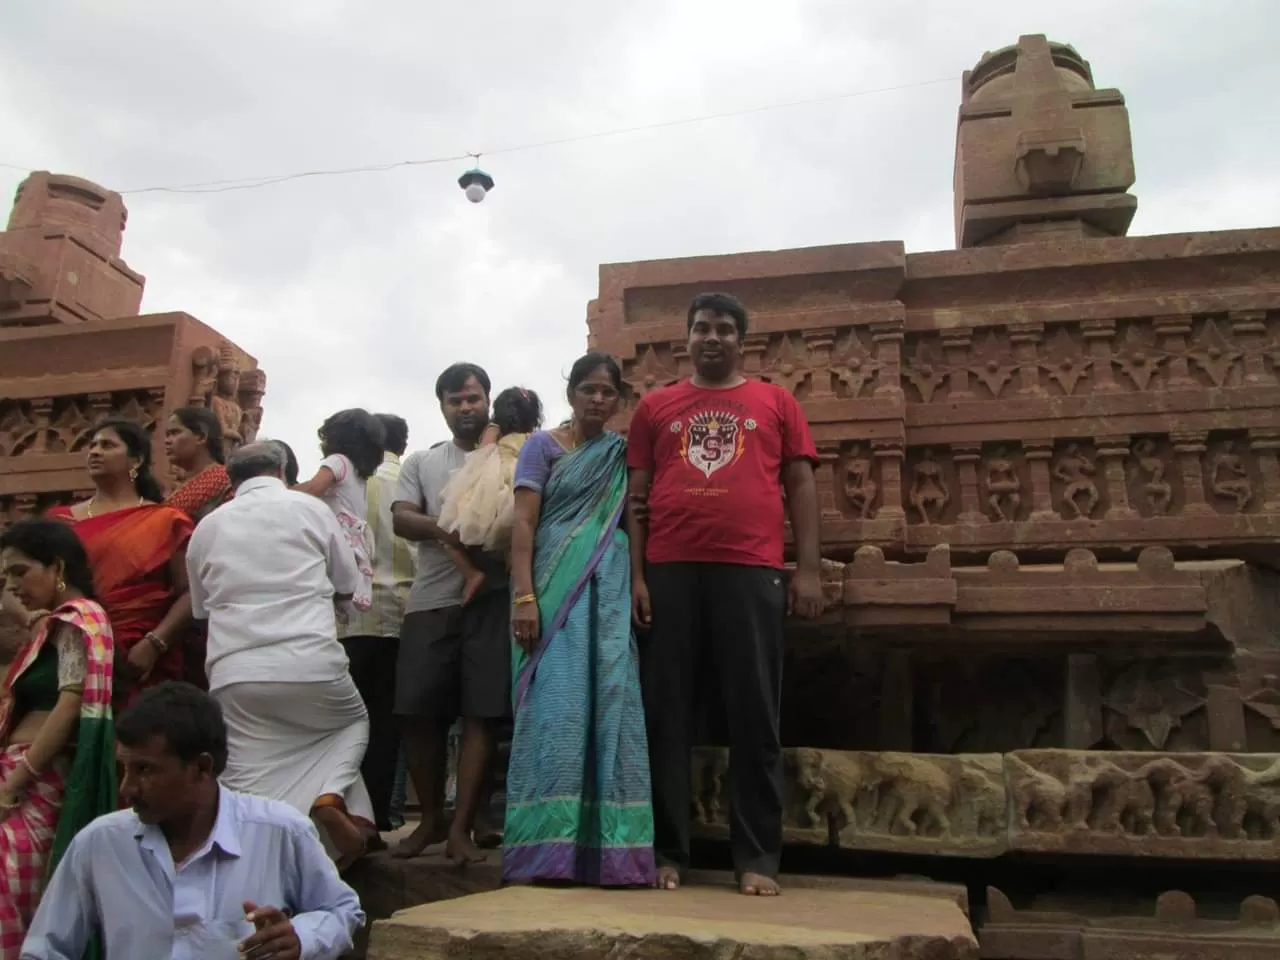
{"x": 358, "y": 290}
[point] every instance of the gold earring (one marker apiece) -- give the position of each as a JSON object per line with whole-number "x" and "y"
{"x": 61, "y": 585}
{"x": 133, "y": 473}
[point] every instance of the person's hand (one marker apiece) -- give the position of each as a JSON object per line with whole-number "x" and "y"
{"x": 274, "y": 937}
{"x": 526, "y": 623}
{"x": 639, "y": 507}
{"x": 641, "y": 610}
{"x": 142, "y": 659}
{"x": 804, "y": 595}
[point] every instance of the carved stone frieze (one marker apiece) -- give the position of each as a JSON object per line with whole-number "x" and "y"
{"x": 1180, "y": 805}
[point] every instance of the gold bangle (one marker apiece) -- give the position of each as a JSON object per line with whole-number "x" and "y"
{"x": 35, "y": 774}
{"x": 156, "y": 642}
{"x": 524, "y": 599}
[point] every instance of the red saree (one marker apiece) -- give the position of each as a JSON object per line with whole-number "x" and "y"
{"x": 129, "y": 553}
{"x": 203, "y": 493}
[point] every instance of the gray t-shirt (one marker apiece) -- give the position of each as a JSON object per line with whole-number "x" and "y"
{"x": 423, "y": 476}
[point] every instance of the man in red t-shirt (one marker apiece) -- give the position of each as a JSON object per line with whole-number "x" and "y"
{"x": 709, "y": 458}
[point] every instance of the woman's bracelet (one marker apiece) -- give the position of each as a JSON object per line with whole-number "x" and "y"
{"x": 155, "y": 641}
{"x": 524, "y": 599}
{"x": 35, "y": 774}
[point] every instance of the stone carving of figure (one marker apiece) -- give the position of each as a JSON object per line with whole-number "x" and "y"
{"x": 1156, "y": 488}
{"x": 1074, "y": 469}
{"x": 1003, "y": 484}
{"x": 225, "y": 398}
{"x": 253, "y": 385}
{"x": 204, "y": 370}
{"x": 859, "y": 486}
{"x": 1230, "y": 477}
{"x": 928, "y": 488}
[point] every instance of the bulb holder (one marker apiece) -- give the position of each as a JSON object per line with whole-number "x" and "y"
{"x": 475, "y": 178}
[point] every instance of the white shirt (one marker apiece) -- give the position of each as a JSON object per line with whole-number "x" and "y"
{"x": 118, "y": 877}
{"x": 394, "y": 562}
{"x": 263, "y": 571}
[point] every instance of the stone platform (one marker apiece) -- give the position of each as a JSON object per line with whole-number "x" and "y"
{"x": 815, "y": 917}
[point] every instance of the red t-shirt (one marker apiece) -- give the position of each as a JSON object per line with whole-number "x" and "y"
{"x": 715, "y": 459}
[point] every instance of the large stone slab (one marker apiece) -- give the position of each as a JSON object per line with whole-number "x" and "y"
{"x": 830, "y": 920}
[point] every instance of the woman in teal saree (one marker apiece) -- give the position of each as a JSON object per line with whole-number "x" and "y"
{"x": 578, "y": 798}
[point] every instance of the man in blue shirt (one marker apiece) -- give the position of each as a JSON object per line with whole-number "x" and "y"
{"x": 193, "y": 870}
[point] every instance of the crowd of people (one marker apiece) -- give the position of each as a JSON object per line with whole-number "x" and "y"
{"x": 246, "y": 664}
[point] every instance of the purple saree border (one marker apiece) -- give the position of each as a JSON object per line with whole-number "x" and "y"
{"x": 607, "y": 867}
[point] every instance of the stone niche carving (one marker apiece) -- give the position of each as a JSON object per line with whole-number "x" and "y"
{"x": 235, "y": 396}
{"x": 1182, "y": 805}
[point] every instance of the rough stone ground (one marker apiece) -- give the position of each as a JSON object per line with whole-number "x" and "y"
{"x": 815, "y": 918}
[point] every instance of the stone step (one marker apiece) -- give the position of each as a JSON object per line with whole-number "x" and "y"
{"x": 825, "y": 918}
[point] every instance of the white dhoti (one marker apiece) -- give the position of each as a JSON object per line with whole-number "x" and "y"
{"x": 298, "y": 743}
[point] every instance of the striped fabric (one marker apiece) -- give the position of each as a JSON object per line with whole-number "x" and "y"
{"x": 394, "y": 564}
{"x": 72, "y": 791}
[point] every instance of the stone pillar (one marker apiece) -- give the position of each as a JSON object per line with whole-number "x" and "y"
{"x": 897, "y": 703}
{"x": 1112, "y": 453}
{"x": 1082, "y": 703}
{"x": 818, "y": 343}
{"x": 753, "y": 350}
{"x": 1039, "y": 453}
{"x": 967, "y": 457}
{"x": 887, "y": 338}
{"x": 1266, "y": 448}
{"x": 889, "y": 454}
{"x": 1173, "y": 333}
{"x": 1099, "y": 334}
{"x": 956, "y": 342}
{"x": 1188, "y": 449}
{"x": 1249, "y": 330}
{"x": 1227, "y": 730}
{"x": 42, "y": 414}
{"x": 825, "y": 480}
{"x": 1025, "y": 338}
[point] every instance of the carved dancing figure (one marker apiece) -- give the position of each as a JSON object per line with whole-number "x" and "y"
{"x": 1003, "y": 486}
{"x": 1074, "y": 469}
{"x": 928, "y": 488}
{"x": 225, "y": 398}
{"x": 1158, "y": 491}
{"x": 1230, "y": 477}
{"x": 859, "y": 486}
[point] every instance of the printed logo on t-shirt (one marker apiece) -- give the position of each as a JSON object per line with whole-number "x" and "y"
{"x": 712, "y": 440}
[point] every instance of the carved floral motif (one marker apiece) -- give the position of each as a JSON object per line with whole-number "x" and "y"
{"x": 649, "y": 371}
{"x": 1154, "y": 700}
{"x": 1138, "y": 356}
{"x": 927, "y": 369}
{"x": 992, "y": 361}
{"x": 1064, "y": 360}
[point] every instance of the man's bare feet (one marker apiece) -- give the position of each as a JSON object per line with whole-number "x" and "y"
{"x": 758, "y": 885}
{"x": 668, "y": 878}
{"x": 344, "y": 833}
{"x": 461, "y": 849}
{"x": 425, "y": 834}
{"x": 472, "y": 581}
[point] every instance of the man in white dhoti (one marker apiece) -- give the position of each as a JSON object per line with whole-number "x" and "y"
{"x": 266, "y": 571}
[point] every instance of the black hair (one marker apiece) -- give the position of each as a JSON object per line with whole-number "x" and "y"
{"x": 48, "y": 541}
{"x": 456, "y": 376}
{"x": 188, "y": 719}
{"x": 204, "y": 423}
{"x": 517, "y": 410}
{"x": 138, "y": 442}
{"x": 357, "y": 435}
{"x": 395, "y": 433}
{"x": 586, "y": 364}
{"x": 721, "y": 304}
{"x": 290, "y": 463}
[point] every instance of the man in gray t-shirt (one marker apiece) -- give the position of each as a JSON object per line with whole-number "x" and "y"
{"x": 454, "y": 660}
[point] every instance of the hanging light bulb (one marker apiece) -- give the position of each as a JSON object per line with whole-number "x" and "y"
{"x": 475, "y": 184}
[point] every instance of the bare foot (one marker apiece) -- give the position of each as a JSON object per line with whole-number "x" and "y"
{"x": 668, "y": 878}
{"x": 461, "y": 849}
{"x": 758, "y": 885}
{"x": 425, "y": 834}
{"x": 472, "y": 581}
{"x": 344, "y": 833}
{"x": 487, "y": 835}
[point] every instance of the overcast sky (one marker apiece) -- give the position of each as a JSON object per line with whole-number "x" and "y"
{"x": 358, "y": 290}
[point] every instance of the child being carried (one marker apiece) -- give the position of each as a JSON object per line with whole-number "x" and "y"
{"x": 479, "y": 500}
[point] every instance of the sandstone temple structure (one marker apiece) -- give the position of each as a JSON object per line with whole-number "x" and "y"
{"x": 74, "y": 349}
{"x": 1050, "y": 488}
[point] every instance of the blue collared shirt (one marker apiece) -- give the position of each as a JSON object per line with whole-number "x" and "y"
{"x": 118, "y": 877}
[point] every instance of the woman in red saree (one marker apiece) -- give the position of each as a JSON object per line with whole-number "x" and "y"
{"x": 193, "y": 444}
{"x": 137, "y": 552}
